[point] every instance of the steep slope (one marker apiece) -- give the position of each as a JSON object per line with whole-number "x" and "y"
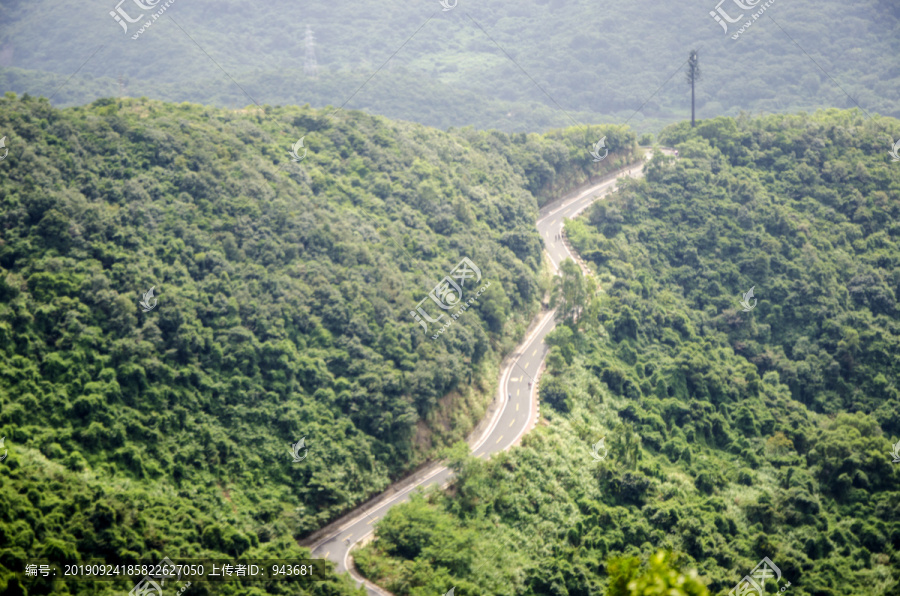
{"x": 281, "y": 311}
{"x": 727, "y": 436}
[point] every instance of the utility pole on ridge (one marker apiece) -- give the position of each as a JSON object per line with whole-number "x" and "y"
{"x": 693, "y": 75}
{"x": 310, "y": 66}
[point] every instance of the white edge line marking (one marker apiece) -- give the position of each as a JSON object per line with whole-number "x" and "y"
{"x": 547, "y": 317}
{"x": 581, "y": 196}
{"x": 494, "y": 422}
{"x": 537, "y": 409}
{"x": 369, "y": 585}
{"x": 364, "y": 514}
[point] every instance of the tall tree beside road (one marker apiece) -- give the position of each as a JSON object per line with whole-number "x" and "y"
{"x": 569, "y": 292}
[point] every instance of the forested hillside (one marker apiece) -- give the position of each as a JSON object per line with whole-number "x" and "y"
{"x": 281, "y": 311}
{"x": 504, "y": 65}
{"x": 729, "y": 434}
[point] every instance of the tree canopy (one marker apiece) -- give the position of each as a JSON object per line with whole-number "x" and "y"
{"x": 732, "y": 435}
{"x": 282, "y": 299}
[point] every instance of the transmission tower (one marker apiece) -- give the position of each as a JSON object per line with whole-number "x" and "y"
{"x": 310, "y": 68}
{"x": 693, "y": 75}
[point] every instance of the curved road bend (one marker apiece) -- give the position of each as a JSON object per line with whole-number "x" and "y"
{"x": 516, "y": 415}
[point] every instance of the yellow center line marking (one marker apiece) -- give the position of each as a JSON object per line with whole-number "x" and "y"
{"x": 513, "y": 421}
{"x": 326, "y": 554}
{"x": 535, "y": 352}
{"x": 498, "y": 439}
{"x": 517, "y": 392}
{"x": 526, "y": 365}
{"x": 517, "y": 406}
{"x": 372, "y": 521}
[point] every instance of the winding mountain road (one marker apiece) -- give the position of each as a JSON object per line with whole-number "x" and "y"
{"x": 513, "y": 413}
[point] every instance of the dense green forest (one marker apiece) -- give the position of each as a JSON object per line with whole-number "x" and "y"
{"x": 283, "y": 296}
{"x": 730, "y": 435}
{"x": 504, "y": 65}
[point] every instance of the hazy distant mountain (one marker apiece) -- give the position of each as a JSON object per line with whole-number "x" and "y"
{"x": 561, "y": 62}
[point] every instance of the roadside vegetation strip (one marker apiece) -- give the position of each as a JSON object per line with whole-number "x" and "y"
{"x": 211, "y": 221}
{"x": 506, "y": 376}
{"x": 684, "y": 415}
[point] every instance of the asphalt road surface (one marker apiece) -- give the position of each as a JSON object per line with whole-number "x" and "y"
{"x": 514, "y": 418}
